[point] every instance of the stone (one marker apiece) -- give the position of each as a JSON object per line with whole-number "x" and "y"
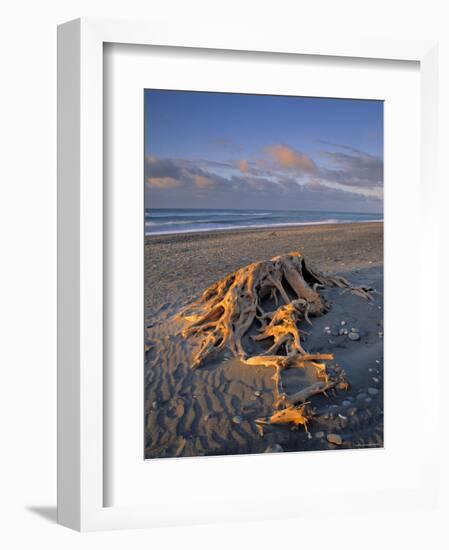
{"x": 346, "y": 403}
{"x": 362, "y": 396}
{"x": 373, "y": 391}
{"x": 319, "y": 435}
{"x": 353, "y": 329}
{"x": 354, "y": 336}
{"x": 154, "y": 405}
{"x": 274, "y": 448}
{"x": 237, "y": 419}
{"x": 376, "y": 380}
{"x": 351, "y": 411}
{"x": 258, "y": 393}
{"x": 368, "y": 400}
{"x": 342, "y": 323}
{"x": 335, "y": 439}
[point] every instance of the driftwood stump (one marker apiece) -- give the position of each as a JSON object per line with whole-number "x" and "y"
{"x": 229, "y": 309}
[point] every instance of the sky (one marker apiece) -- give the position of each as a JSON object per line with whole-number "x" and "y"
{"x": 219, "y": 150}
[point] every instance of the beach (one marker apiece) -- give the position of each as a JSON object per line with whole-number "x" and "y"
{"x": 212, "y": 410}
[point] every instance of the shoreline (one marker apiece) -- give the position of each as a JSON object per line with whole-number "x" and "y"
{"x": 259, "y": 227}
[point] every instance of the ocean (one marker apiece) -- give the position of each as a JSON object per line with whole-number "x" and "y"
{"x": 187, "y": 220}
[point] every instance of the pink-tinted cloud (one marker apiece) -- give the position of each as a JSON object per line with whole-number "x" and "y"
{"x": 164, "y": 183}
{"x": 288, "y": 158}
{"x": 203, "y": 182}
{"x": 244, "y": 166}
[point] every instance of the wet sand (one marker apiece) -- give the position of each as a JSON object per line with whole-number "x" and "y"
{"x": 212, "y": 410}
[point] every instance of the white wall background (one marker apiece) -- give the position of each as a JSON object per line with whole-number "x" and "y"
{"x": 28, "y": 267}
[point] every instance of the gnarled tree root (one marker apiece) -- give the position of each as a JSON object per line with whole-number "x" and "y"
{"x": 228, "y": 309}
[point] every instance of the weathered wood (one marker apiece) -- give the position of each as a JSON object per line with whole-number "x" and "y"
{"x": 228, "y": 309}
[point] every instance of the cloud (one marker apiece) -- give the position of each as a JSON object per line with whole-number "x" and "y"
{"x": 353, "y": 168}
{"x": 280, "y": 178}
{"x": 203, "y": 182}
{"x": 287, "y": 158}
{"x": 244, "y": 166}
{"x": 162, "y": 168}
{"x": 163, "y": 183}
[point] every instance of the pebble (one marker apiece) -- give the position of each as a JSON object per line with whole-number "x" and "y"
{"x": 257, "y": 393}
{"x": 319, "y": 435}
{"x": 342, "y": 416}
{"x": 376, "y": 380}
{"x": 368, "y": 400}
{"x": 275, "y": 448}
{"x": 373, "y": 391}
{"x": 342, "y": 323}
{"x": 354, "y": 336}
{"x": 331, "y": 341}
{"x": 154, "y": 405}
{"x": 335, "y": 439}
{"x": 380, "y": 334}
{"x": 346, "y": 403}
{"x": 237, "y": 419}
{"x": 352, "y": 411}
{"x": 377, "y": 361}
{"x": 361, "y": 396}
{"x": 353, "y": 329}
{"x": 343, "y": 331}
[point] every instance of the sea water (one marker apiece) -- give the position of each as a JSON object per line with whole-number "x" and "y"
{"x": 186, "y": 220}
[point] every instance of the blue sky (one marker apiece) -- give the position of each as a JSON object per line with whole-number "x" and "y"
{"x": 213, "y": 150}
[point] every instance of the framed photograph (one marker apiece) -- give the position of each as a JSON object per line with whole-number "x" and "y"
{"x": 235, "y": 317}
{"x": 243, "y": 336}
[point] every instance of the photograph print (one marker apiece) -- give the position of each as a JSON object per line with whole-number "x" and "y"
{"x": 263, "y": 327}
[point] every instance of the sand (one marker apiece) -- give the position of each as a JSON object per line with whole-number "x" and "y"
{"x": 212, "y": 410}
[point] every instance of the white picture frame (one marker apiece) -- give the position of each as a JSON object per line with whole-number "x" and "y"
{"x": 81, "y": 488}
